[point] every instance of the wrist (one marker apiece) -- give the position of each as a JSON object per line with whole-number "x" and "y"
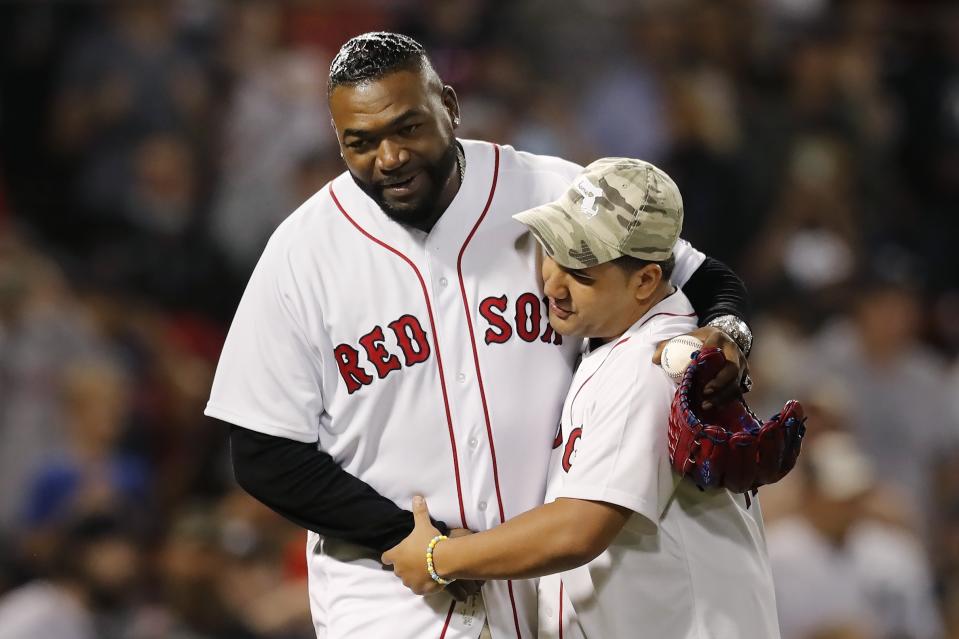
{"x": 430, "y": 561}
{"x": 737, "y": 330}
{"x": 441, "y": 562}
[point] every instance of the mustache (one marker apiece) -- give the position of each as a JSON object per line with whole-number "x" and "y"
{"x": 387, "y": 182}
{"x": 438, "y": 172}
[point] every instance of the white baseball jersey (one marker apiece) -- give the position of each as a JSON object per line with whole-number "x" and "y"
{"x": 423, "y": 363}
{"x": 687, "y": 564}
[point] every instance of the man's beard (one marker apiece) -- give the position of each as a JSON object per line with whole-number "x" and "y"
{"x": 425, "y": 213}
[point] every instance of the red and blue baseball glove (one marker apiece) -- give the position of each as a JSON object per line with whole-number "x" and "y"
{"x": 728, "y": 446}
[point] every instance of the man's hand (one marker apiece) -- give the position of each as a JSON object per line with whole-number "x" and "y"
{"x": 728, "y": 381}
{"x": 408, "y": 557}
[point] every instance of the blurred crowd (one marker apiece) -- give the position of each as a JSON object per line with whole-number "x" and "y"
{"x": 148, "y": 149}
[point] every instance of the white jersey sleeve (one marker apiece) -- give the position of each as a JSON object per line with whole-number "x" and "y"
{"x": 688, "y": 259}
{"x": 268, "y": 377}
{"x": 620, "y": 457}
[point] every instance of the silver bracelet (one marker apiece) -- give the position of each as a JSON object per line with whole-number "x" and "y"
{"x": 737, "y": 330}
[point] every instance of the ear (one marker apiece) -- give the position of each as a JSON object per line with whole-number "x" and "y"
{"x": 337, "y": 136}
{"x": 452, "y": 105}
{"x": 645, "y": 281}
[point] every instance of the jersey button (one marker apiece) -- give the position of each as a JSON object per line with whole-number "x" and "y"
{"x": 482, "y": 505}
{"x": 444, "y": 281}
{"x": 548, "y": 611}
{"x": 461, "y": 378}
{"x": 473, "y": 442}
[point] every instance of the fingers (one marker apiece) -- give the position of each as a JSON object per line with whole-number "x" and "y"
{"x": 387, "y": 558}
{"x": 464, "y": 589}
{"x": 712, "y": 336}
{"x": 428, "y": 589}
{"x": 724, "y": 387}
{"x": 727, "y": 383}
{"x": 728, "y": 376}
{"x": 658, "y": 355}
{"x": 423, "y": 589}
{"x": 458, "y": 590}
{"x": 421, "y": 513}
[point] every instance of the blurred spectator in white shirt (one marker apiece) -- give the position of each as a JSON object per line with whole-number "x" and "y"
{"x": 88, "y": 595}
{"x": 836, "y": 569}
{"x": 899, "y": 409}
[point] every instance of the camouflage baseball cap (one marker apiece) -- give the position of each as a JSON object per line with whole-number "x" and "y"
{"x": 616, "y": 207}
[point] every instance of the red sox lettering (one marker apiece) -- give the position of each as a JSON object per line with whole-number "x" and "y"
{"x": 570, "y": 449}
{"x": 527, "y": 319}
{"x": 528, "y": 315}
{"x": 410, "y": 338}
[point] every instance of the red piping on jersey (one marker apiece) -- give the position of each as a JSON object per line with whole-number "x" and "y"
{"x": 583, "y": 385}
{"x": 560, "y": 609}
{"x": 439, "y": 358}
{"x": 625, "y": 339}
{"x": 670, "y": 315}
{"x": 476, "y": 363}
{"x": 449, "y": 616}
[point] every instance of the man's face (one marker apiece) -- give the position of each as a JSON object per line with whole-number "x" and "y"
{"x": 396, "y": 137}
{"x": 111, "y": 571}
{"x": 599, "y": 301}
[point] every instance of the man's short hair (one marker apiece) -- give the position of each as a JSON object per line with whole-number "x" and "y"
{"x": 632, "y": 264}
{"x": 371, "y": 56}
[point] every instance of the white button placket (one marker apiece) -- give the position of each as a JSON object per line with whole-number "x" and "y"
{"x": 466, "y": 406}
{"x": 436, "y": 273}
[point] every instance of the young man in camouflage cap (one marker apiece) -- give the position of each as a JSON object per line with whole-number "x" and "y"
{"x": 624, "y": 548}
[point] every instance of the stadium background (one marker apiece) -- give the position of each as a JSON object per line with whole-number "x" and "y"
{"x": 149, "y": 148}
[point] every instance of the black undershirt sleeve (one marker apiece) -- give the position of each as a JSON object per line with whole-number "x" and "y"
{"x": 714, "y": 289}
{"x": 309, "y": 488}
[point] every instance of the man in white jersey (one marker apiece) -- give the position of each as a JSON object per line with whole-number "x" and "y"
{"x": 643, "y": 553}
{"x": 393, "y": 340}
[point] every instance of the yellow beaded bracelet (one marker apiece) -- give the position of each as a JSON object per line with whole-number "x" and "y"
{"x": 429, "y": 561}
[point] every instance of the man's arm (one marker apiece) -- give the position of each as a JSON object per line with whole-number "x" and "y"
{"x": 721, "y": 302}
{"x": 309, "y": 488}
{"x": 558, "y": 536}
{"x": 714, "y": 290}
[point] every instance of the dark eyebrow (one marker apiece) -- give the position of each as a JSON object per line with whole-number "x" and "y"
{"x": 395, "y": 122}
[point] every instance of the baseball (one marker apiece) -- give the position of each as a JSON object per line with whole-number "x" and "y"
{"x": 677, "y": 354}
